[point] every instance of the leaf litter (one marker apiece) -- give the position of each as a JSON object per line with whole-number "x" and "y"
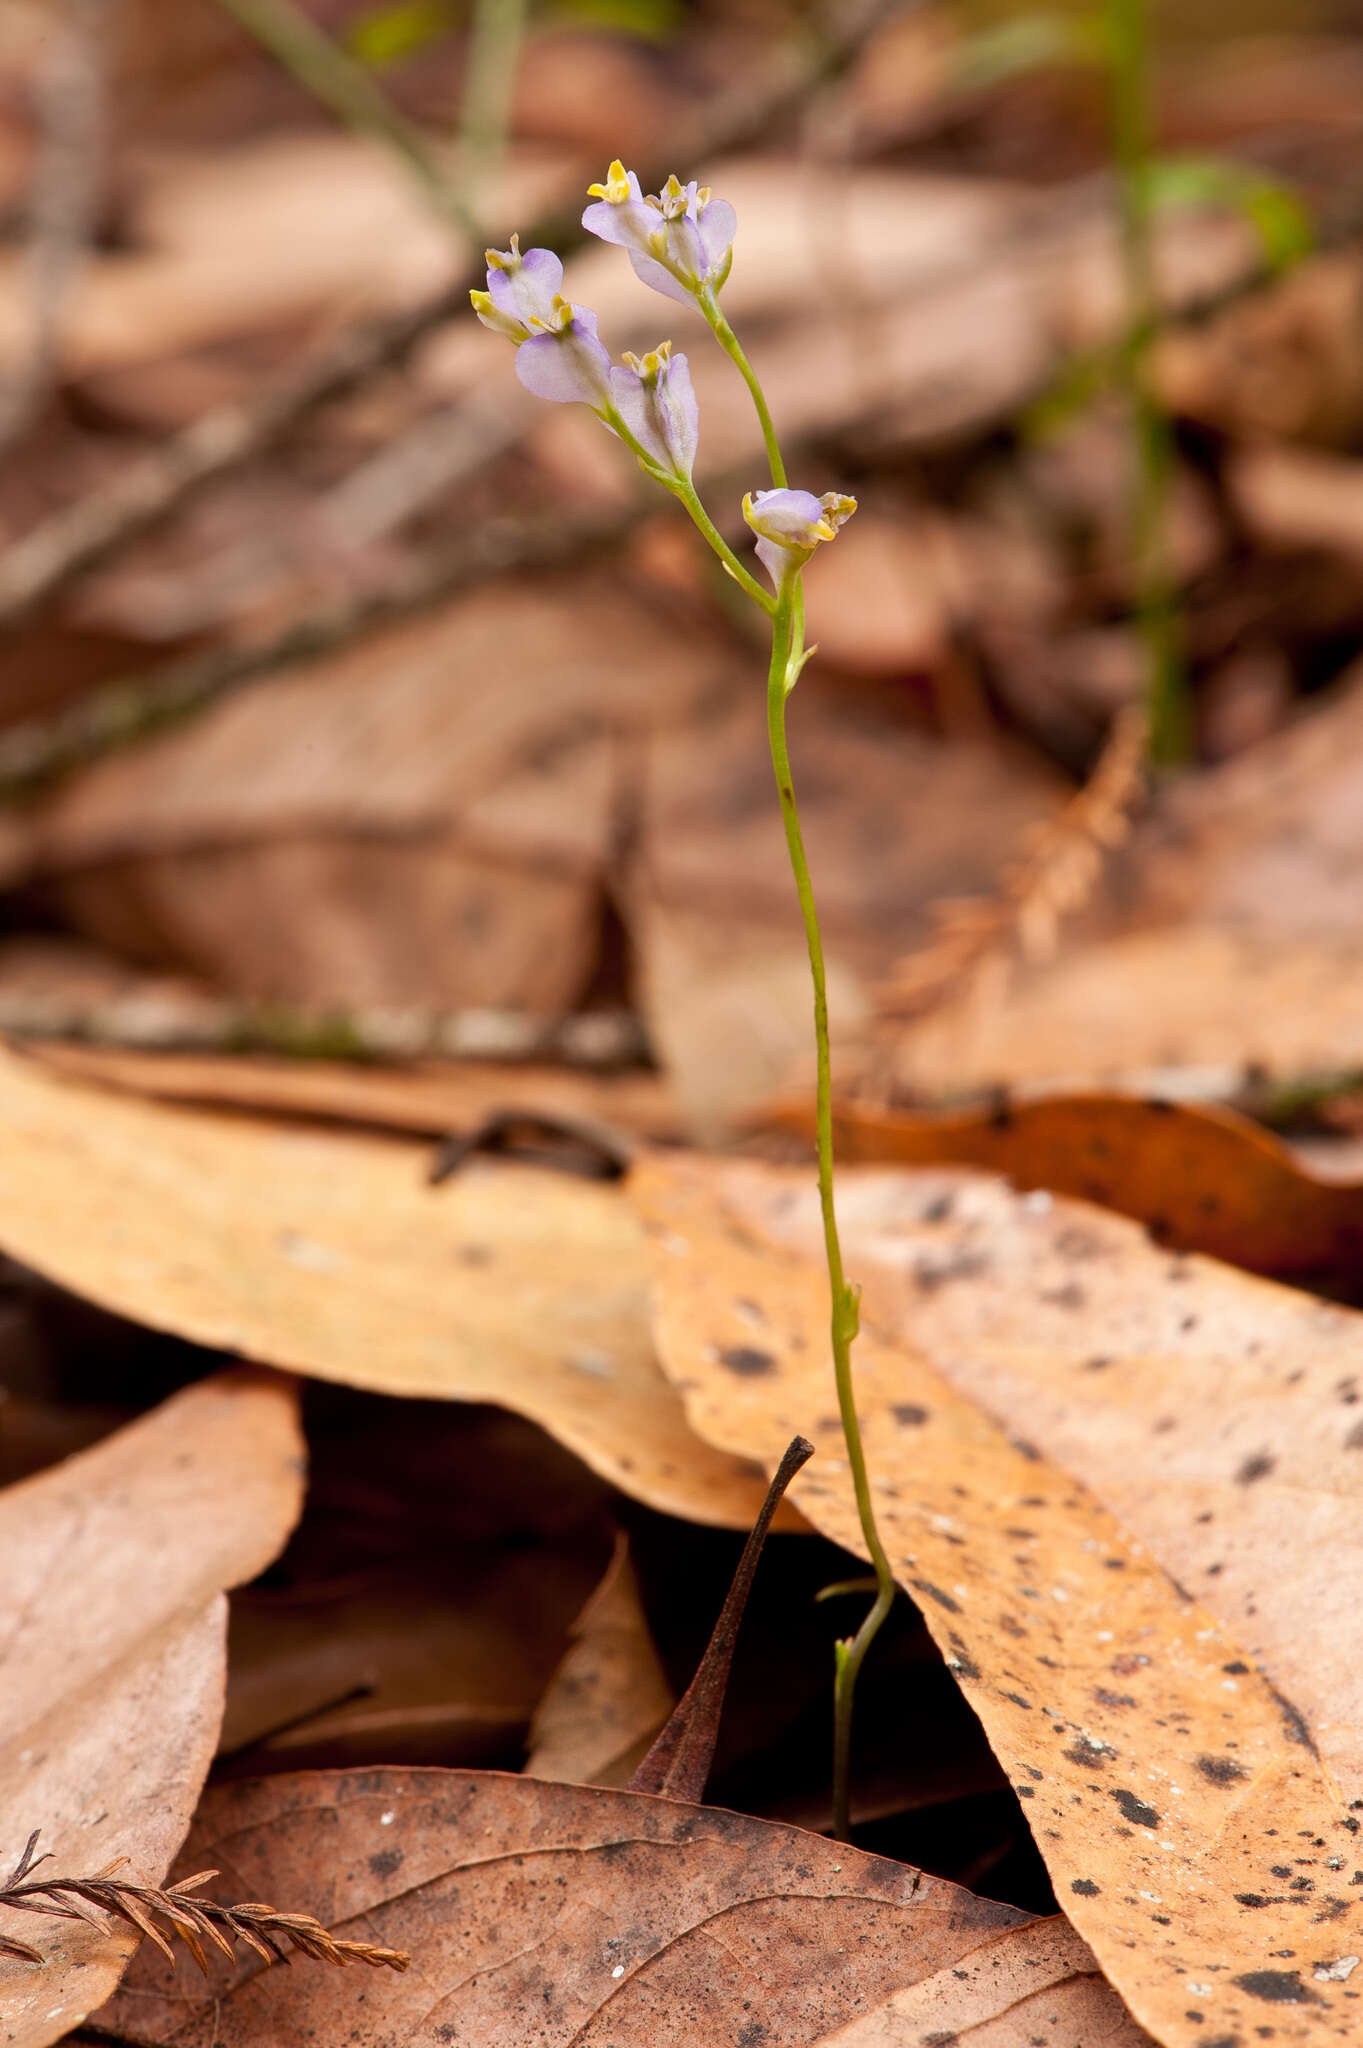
{"x": 1167, "y": 1782}
{"x": 113, "y": 1635}
{"x": 381, "y": 828}
{"x": 553, "y": 1914}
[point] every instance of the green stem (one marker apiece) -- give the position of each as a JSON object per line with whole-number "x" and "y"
{"x": 681, "y": 487}
{"x": 496, "y": 34}
{"x": 746, "y": 581}
{"x": 1153, "y": 452}
{"x": 729, "y": 342}
{"x": 344, "y": 85}
{"x": 786, "y": 652}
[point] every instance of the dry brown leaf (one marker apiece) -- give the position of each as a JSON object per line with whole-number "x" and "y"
{"x": 423, "y": 1603}
{"x": 547, "y": 1915}
{"x": 1222, "y": 1004}
{"x": 1195, "y": 1838}
{"x": 425, "y": 817}
{"x": 112, "y": 1639}
{"x": 1200, "y": 1179}
{"x": 609, "y": 1696}
{"x": 1228, "y": 940}
{"x": 325, "y": 1252}
{"x": 427, "y": 1097}
{"x": 1073, "y": 1329}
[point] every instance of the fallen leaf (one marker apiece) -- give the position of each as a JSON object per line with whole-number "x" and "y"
{"x": 1200, "y": 1178}
{"x": 1224, "y": 938}
{"x": 1223, "y": 1004}
{"x": 376, "y": 825}
{"x": 552, "y": 1914}
{"x": 325, "y": 1253}
{"x": 609, "y": 1696}
{"x": 426, "y": 1597}
{"x": 112, "y": 1637}
{"x": 426, "y": 1097}
{"x": 1169, "y": 1785}
{"x": 1072, "y": 1328}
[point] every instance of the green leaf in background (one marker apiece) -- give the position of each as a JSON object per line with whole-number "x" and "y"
{"x": 650, "y": 21}
{"x": 1272, "y": 208}
{"x": 1033, "y": 42}
{"x": 383, "y": 36}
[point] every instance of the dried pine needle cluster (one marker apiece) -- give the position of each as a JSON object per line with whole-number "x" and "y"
{"x": 978, "y": 939}
{"x": 198, "y": 1923}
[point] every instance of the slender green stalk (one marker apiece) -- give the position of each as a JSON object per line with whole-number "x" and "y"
{"x": 685, "y": 490}
{"x": 1152, "y": 450}
{"x": 728, "y": 341}
{"x": 787, "y": 653}
{"x": 496, "y": 34}
{"x": 339, "y": 82}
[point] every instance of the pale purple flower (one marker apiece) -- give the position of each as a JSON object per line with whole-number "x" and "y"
{"x": 569, "y": 363}
{"x": 653, "y": 396}
{"x": 790, "y": 524}
{"x": 522, "y": 292}
{"x": 679, "y": 240}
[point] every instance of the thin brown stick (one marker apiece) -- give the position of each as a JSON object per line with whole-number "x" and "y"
{"x": 48, "y": 557}
{"x": 201, "y": 1924}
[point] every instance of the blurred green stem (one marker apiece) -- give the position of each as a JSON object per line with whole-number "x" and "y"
{"x": 335, "y": 78}
{"x": 787, "y": 659}
{"x": 1152, "y": 442}
{"x": 496, "y": 34}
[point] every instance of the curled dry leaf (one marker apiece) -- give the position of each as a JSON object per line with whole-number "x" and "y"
{"x": 325, "y": 1253}
{"x": 112, "y": 1642}
{"x": 609, "y": 1696}
{"x": 547, "y": 1915}
{"x": 1195, "y": 1838}
{"x": 1200, "y": 1178}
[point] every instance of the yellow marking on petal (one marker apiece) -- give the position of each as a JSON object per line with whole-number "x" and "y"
{"x": 657, "y": 242}
{"x": 823, "y": 531}
{"x": 616, "y": 188}
{"x": 501, "y": 259}
{"x": 703, "y": 195}
{"x": 482, "y": 302}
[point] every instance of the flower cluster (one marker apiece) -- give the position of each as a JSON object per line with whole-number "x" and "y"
{"x": 680, "y": 242}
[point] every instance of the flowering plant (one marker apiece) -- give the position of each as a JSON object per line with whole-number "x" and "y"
{"x": 680, "y": 242}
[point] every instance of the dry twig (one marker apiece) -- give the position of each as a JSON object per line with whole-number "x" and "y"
{"x": 200, "y": 1924}
{"x": 980, "y": 938}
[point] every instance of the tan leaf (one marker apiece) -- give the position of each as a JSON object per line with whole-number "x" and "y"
{"x": 609, "y": 1696}
{"x": 427, "y": 1098}
{"x": 1228, "y": 939}
{"x": 1214, "y": 1414}
{"x": 326, "y": 1253}
{"x": 1196, "y": 1840}
{"x": 112, "y": 1627}
{"x": 547, "y": 1915}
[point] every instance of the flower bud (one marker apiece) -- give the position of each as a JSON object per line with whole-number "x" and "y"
{"x": 790, "y": 524}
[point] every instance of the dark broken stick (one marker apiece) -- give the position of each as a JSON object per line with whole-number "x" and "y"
{"x": 678, "y": 1764}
